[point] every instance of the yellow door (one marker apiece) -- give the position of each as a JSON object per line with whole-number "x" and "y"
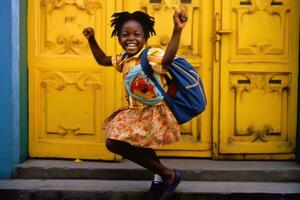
{"x": 257, "y": 43}
{"x": 70, "y": 95}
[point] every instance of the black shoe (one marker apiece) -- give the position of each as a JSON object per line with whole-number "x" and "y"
{"x": 169, "y": 189}
{"x": 155, "y": 190}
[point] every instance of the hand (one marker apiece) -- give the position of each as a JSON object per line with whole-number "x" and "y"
{"x": 180, "y": 17}
{"x": 88, "y": 32}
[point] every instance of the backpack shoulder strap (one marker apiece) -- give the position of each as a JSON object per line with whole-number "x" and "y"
{"x": 145, "y": 63}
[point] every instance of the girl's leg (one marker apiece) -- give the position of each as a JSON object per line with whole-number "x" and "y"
{"x": 151, "y": 153}
{"x": 148, "y": 151}
{"x": 145, "y": 157}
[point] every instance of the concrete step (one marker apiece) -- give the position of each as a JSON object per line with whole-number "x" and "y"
{"x": 20, "y": 189}
{"x": 192, "y": 170}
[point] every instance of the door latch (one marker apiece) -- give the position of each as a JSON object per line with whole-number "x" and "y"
{"x": 217, "y": 35}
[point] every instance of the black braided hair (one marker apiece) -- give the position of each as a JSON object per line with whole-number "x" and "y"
{"x": 146, "y": 21}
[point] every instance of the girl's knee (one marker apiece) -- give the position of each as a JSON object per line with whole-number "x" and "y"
{"x": 116, "y": 146}
{"x": 110, "y": 145}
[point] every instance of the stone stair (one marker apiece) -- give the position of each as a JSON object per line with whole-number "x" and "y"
{"x": 42, "y": 179}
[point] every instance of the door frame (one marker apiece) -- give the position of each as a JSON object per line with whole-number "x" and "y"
{"x": 298, "y": 115}
{"x": 215, "y": 93}
{"x": 24, "y": 146}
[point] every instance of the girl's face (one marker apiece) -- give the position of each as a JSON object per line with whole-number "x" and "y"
{"x": 132, "y": 37}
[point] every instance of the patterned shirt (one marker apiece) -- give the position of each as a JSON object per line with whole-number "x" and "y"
{"x": 155, "y": 56}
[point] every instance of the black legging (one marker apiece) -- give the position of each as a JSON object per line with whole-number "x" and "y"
{"x": 145, "y": 157}
{"x": 127, "y": 150}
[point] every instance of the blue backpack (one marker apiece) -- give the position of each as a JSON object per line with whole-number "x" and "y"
{"x": 189, "y": 100}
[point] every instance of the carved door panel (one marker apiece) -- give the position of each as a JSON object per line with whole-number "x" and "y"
{"x": 195, "y": 40}
{"x": 69, "y": 94}
{"x": 258, "y": 44}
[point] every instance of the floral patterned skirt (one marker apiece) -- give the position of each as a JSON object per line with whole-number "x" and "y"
{"x": 151, "y": 126}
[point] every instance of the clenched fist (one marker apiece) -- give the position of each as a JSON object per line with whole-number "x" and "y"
{"x": 88, "y": 32}
{"x": 180, "y": 17}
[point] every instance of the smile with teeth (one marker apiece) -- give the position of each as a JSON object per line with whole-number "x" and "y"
{"x": 131, "y": 46}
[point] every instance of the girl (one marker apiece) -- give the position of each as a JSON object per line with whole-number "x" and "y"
{"x": 133, "y": 131}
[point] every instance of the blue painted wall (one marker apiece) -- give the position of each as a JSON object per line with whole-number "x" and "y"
{"x": 5, "y": 90}
{"x": 9, "y": 87}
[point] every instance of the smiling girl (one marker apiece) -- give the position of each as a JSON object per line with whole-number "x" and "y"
{"x": 133, "y": 131}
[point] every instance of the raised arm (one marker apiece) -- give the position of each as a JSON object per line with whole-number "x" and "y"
{"x": 98, "y": 54}
{"x": 180, "y": 19}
